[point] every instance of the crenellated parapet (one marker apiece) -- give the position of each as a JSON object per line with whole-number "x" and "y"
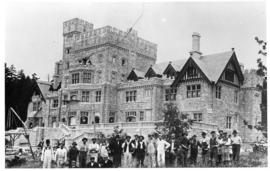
{"x": 80, "y": 35}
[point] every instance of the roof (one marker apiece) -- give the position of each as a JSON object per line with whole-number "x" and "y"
{"x": 214, "y": 64}
{"x": 139, "y": 73}
{"x": 160, "y": 67}
{"x": 44, "y": 87}
{"x": 178, "y": 64}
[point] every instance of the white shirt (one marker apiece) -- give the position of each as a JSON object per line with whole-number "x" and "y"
{"x": 94, "y": 146}
{"x": 236, "y": 140}
{"x": 162, "y": 145}
{"x": 172, "y": 148}
{"x": 61, "y": 153}
{"x": 123, "y": 145}
{"x": 47, "y": 152}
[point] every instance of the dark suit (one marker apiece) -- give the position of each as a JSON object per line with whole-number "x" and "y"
{"x": 171, "y": 154}
{"x": 92, "y": 165}
{"x": 116, "y": 150}
{"x": 140, "y": 153}
{"x": 72, "y": 155}
{"x": 107, "y": 164}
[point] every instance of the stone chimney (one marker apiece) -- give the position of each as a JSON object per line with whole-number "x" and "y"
{"x": 195, "y": 44}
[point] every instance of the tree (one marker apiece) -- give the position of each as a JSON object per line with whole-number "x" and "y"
{"x": 19, "y": 89}
{"x": 174, "y": 122}
{"x": 262, "y": 71}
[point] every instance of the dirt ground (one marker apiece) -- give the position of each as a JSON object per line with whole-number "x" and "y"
{"x": 247, "y": 159}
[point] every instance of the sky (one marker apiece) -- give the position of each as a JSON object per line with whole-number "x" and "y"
{"x": 34, "y": 41}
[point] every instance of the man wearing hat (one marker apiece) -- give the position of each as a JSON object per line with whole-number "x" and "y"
{"x": 47, "y": 155}
{"x": 184, "y": 144}
{"x": 83, "y": 153}
{"x": 135, "y": 142}
{"x": 213, "y": 148}
{"x": 151, "y": 151}
{"x": 128, "y": 148}
{"x": 204, "y": 144}
{"x": 92, "y": 163}
{"x": 162, "y": 146}
{"x": 61, "y": 156}
{"x": 73, "y": 154}
{"x": 140, "y": 154}
{"x": 236, "y": 146}
{"x": 93, "y": 149}
{"x": 172, "y": 151}
{"x": 194, "y": 144}
{"x": 219, "y": 139}
{"x": 226, "y": 143}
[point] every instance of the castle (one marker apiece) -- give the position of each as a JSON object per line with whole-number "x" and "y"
{"x": 108, "y": 77}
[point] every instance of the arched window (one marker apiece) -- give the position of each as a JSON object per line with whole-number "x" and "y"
{"x": 72, "y": 120}
{"x": 131, "y": 116}
{"x": 84, "y": 118}
{"x": 96, "y": 119}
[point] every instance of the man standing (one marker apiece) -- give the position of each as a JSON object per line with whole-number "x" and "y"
{"x": 162, "y": 146}
{"x": 135, "y": 142}
{"x": 128, "y": 148}
{"x": 116, "y": 150}
{"x": 213, "y": 148}
{"x": 194, "y": 144}
{"x": 204, "y": 144}
{"x": 236, "y": 146}
{"x": 141, "y": 152}
{"x": 47, "y": 155}
{"x": 73, "y": 154}
{"x": 61, "y": 156}
{"x": 93, "y": 149}
{"x": 151, "y": 151}
{"x": 220, "y": 137}
{"x": 184, "y": 143}
{"x": 83, "y": 153}
{"x": 172, "y": 151}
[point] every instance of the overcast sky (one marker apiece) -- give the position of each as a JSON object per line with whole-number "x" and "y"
{"x": 34, "y": 30}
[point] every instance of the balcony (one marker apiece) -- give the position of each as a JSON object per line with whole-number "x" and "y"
{"x": 79, "y": 67}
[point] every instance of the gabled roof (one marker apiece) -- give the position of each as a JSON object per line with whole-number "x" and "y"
{"x": 214, "y": 64}
{"x": 176, "y": 65}
{"x": 44, "y": 88}
{"x": 135, "y": 75}
{"x": 160, "y": 67}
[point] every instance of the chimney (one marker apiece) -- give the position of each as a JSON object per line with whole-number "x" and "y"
{"x": 195, "y": 44}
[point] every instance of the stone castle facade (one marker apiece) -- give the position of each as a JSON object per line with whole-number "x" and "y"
{"x": 108, "y": 77}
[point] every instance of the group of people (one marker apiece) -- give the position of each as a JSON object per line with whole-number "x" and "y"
{"x": 218, "y": 150}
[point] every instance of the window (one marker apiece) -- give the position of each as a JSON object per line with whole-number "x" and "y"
{"x": 235, "y": 99}
{"x": 85, "y": 96}
{"x": 97, "y": 119}
{"x": 98, "y": 96}
{"x": 114, "y": 75}
{"x": 141, "y": 115}
{"x": 218, "y": 92}
{"x": 111, "y": 117}
{"x": 84, "y": 118}
{"x": 67, "y": 65}
{"x": 229, "y": 75}
{"x": 57, "y": 68}
{"x": 36, "y": 106}
{"x": 147, "y": 92}
{"x": 197, "y": 117}
{"x": 75, "y": 78}
{"x": 67, "y": 50}
{"x": 73, "y": 95}
{"x": 193, "y": 91}
{"x": 99, "y": 77}
{"x": 55, "y": 103}
{"x": 131, "y": 96}
{"x": 170, "y": 94}
{"x": 65, "y": 100}
{"x": 131, "y": 116}
{"x": 65, "y": 82}
{"x": 228, "y": 122}
{"x": 114, "y": 58}
{"x": 192, "y": 72}
{"x": 123, "y": 62}
{"x": 87, "y": 77}
{"x": 72, "y": 118}
{"x": 54, "y": 122}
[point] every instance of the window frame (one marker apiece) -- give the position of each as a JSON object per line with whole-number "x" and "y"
{"x": 55, "y": 103}
{"x": 75, "y": 78}
{"x": 194, "y": 90}
{"x": 131, "y": 96}
{"x": 87, "y": 77}
{"x": 82, "y": 115}
{"x": 85, "y": 96}
{"x": 228, "y": 122}
{"x": 198, "y": 117}
{"x": 218, "y": 91}
{"x": 98, "y": 96}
